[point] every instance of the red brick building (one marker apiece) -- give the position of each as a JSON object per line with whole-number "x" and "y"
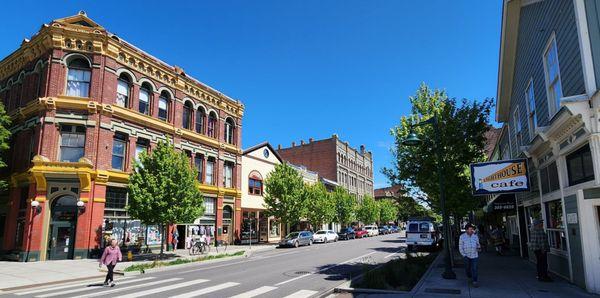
{"x": 336, "y": 161}
{"x": 84, "y": 104}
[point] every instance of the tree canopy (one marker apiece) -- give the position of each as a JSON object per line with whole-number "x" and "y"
{"x": 163, "y": 188}
{"x": 284, "y": 194}
{"x": 345, "y": 206}
{"x": 4, "y": 136}
{"x": 368, "y": 210}
{"x": 462, "y": 126}
{"x": 388, "y": 211}
{"x": 320, "y": 207}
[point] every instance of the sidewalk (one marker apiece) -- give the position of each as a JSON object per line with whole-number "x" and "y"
{"x": 20, "y": 274}
{"x": 499, "y": 276}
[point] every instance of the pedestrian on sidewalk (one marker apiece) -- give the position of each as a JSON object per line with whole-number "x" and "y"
{"x": 538, "y": 242}
{"x": 498, "y": 238}
{"x": 469, "y": 247}
{"x": 110, "y": 257}
{"x": 175, "y": 239}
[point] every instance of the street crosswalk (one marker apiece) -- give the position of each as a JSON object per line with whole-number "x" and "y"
{"x": 175, "y": 287}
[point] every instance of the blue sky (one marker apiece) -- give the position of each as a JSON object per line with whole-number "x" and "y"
{"x": 304, "y": 68}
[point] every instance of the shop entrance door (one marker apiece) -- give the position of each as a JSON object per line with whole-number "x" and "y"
{"x": 62, "y": 228}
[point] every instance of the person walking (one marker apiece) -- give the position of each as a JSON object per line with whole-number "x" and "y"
{"x": 538, "y": 242}
{"x": 110, "y": 257}
{"x": 469, "y": 247}
{"x": 498, "y": 238}
{"x": 175, "y": 239}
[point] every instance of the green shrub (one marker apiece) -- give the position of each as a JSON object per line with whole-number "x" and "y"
{"x": 399, "y": 274}
{"x": 156, "y": 263}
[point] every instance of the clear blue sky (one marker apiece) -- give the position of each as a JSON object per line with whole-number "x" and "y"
{"x": 304, "y": 68}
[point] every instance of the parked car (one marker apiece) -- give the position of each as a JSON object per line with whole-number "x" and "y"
{"x": 361, "y": 233}
{"x": 394, "y": 229}
{"x": 324, "y": 236}
{"x": 296, "y": 239}
{"x": 383, "y": 230}
{"x": 372, "y": 229}
{"x": 347, "y": 234}
{"x": 422, "y": 231}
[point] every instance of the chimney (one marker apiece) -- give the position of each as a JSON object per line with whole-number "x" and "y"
{"x": 311, "y": 140}
{"x": 279, "y": 147}
{"x": 301, "y": 142}
{"x": 293, "y": 144}
{"x": 362, "y": 149}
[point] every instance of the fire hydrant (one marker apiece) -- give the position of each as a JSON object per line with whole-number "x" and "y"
{"x": 129, "y": 256}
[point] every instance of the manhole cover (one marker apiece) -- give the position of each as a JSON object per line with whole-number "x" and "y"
{"x": 294, "y": 273}
{"x": 442, "y": 291}
{"x": 301, "y": 272}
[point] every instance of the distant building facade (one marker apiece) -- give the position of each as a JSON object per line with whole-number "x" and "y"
{"x": 336, "y": 162}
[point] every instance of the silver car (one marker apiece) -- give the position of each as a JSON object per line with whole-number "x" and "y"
{"x": 296, "y": 239}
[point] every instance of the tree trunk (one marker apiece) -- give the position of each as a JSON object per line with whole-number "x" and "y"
{"x": 162, "y": 240}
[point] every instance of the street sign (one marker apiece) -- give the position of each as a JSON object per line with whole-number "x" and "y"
{"x": 505, "y": 176}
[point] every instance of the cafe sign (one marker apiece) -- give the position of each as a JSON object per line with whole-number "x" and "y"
{"x": 505, "y": 176}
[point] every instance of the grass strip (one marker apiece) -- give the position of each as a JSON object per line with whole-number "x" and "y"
{"x": 142, "y": 267}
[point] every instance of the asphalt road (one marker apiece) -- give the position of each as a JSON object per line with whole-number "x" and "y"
{"x": 308, "y": 271}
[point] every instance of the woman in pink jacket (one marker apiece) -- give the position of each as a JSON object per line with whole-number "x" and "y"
{"x": 110, "y": 257}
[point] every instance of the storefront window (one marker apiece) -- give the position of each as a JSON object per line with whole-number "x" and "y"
{"x": 274, "y": 230}
{"x": 554, "y": 225}
{"x": 249, "y": 226}
{"x": 209, "y": 206}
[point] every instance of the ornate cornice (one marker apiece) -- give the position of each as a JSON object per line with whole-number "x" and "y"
{"x": 65, "y": 34}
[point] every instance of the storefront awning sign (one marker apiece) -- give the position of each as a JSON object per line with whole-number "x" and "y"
{"x": 506, "y": 176}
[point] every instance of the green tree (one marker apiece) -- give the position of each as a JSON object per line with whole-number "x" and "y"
{"x": 388, "y": 211}
{"x": 284, "y": 194}
{"x": 462, "y": 126}
{"x": 368, "y": 210}
{"x": 320, "y": 208}
{"x": 163, "y": 189}
{"x": 345, "y": 206}
{"x": 4, "y": 136}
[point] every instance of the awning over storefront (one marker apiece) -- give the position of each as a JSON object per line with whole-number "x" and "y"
{"x": 501, "y": 203}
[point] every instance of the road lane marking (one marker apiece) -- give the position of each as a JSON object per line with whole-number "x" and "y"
{"x": 301, "y": 294}
{"x": 60, "y": 287}
{"x": 255, "y": 292}
{"x": 326, "y": 268}
{"x": 392, "y": 254}
{"x": 88, "y": 288}
{"x": 163, "y": 289}
{"x": 240, "y": 262}
{"x": 206, "y": 290}
{"x": 119, "y": 289}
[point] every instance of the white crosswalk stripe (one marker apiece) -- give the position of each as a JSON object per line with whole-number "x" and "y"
{"x": 59, "y": 287}
{"x": 255, "y": 292}
{"x": 207, "y": 290}
{"x": 123, "y": 289}
{"x": 88, "y": 288}
{"x": 163, "y": 289}
{"x": 301, "y": 294}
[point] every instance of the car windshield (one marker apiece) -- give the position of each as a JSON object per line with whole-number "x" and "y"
{"x": 292, "y": 235}
{"x": 320, "y": 232}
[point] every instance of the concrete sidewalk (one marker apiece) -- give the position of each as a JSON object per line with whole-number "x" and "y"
{"x": 499, "y": 276}
{"x": 19, "y": 274}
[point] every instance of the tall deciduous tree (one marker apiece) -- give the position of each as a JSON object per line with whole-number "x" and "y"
{"x": 388, "y": 211}
{"x": 368, "y": 210}
{"x": 284, "y": 194}
{"x": 4, "y": 136}
{"x": 345, "y": 206}
{"x": 462, "y": 126}
{"x": 320, "y": 208}
{"x": 163, "y": 189}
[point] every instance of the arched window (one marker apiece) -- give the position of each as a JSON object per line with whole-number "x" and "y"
{"x": 123, "y": 90}
{"x": 227, "y": 212}
{"x": 212, "y": 125}
{"x": 145, "y": 96}
{"x": 229, "y": 129}
{"x": 255, "y": 184}
{"x": 187, "y": 115}
{"x": 78, "y": 78}
{"x": 200, "y": 118}
{"x": 163, "y": 105}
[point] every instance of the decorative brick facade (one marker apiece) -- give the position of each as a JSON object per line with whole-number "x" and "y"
{"x": 51, "y": 125}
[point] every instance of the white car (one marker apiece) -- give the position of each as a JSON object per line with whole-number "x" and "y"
{"x": 373, "y": 230}
{"x": 325, "y": 236}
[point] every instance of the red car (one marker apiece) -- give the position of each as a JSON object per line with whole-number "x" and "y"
{"x": 361, "y": 233}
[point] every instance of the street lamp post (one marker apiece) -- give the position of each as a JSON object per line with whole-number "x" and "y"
{"x": 413, "y": 140}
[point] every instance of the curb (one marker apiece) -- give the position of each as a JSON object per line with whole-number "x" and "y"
{"x": 3, "y": 290}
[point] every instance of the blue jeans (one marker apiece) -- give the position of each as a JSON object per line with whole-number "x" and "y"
{"x": 471, "y": 268}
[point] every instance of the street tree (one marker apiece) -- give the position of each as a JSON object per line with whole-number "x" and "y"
{"x": 320, "y": 208}
{"x": 388, "y": 211}
{"x": 345, "y": 206}
{"x": 368, "y": 210}
{"x": 284, "y": 194}
{"x": 163, "y": 189}
{"x": 4, "y": 137}
{"x": 462, "y": 126}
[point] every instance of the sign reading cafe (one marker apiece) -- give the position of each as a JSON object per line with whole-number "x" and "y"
{"x": 505, "y": 176}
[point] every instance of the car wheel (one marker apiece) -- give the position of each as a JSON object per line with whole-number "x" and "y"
{"x": 296, "y": 244}
{"x": 335, "y": 240}
{"x": 310, "y": 242}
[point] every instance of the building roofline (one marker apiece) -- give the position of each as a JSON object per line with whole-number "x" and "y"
{"x": 511, "y": 10}
{"x": 260, "y": 145}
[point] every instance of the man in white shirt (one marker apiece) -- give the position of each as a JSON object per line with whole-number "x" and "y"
{"x": 469, "y": 248}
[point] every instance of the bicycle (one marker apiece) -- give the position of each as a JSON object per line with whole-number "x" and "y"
{"x": 199, "y": 247}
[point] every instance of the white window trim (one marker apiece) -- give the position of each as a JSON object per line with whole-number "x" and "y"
{"x": 553, "y": 107}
